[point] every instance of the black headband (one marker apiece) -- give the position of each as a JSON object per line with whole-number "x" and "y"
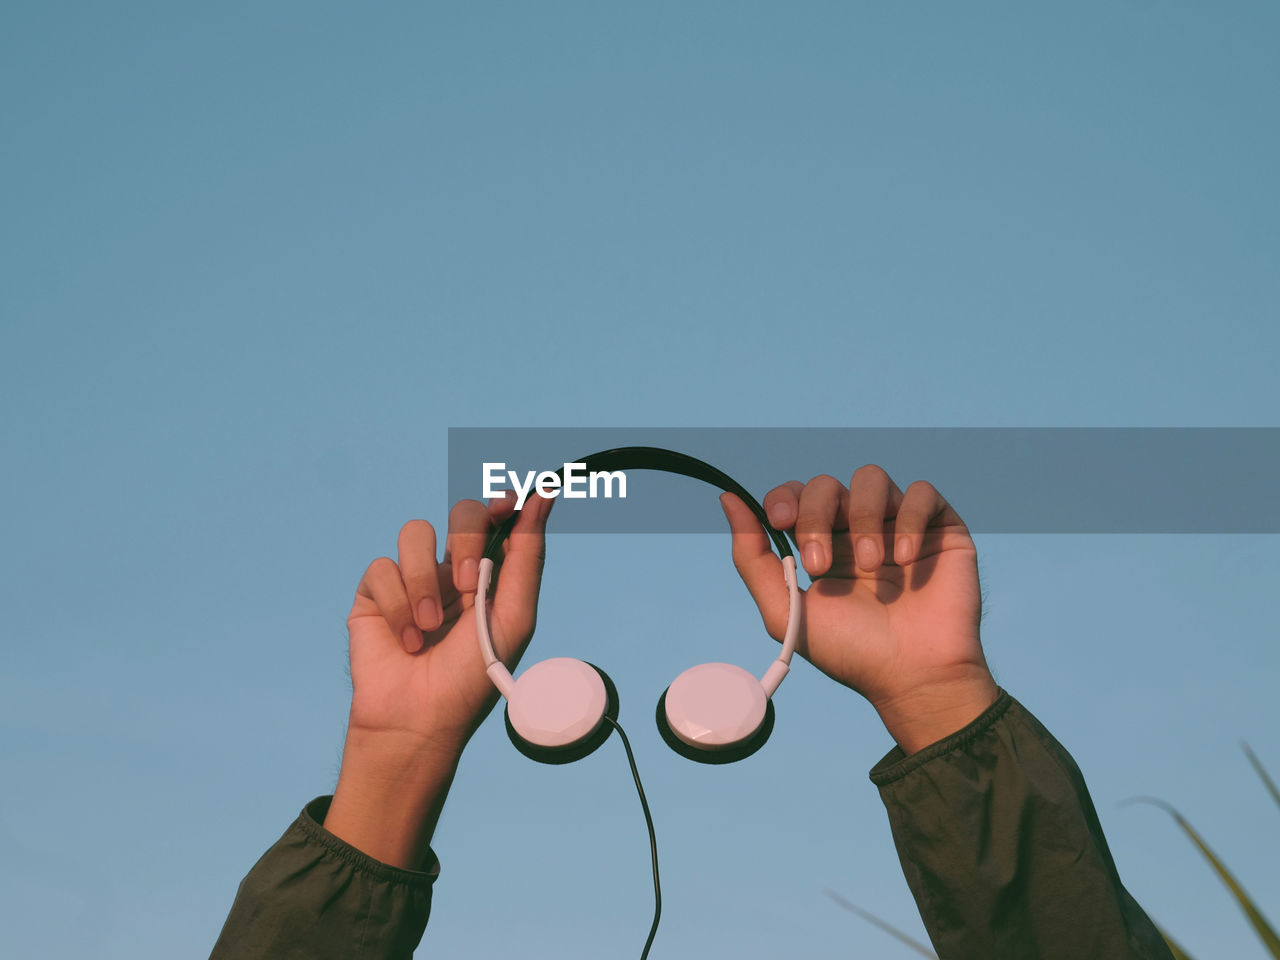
{"x": 664, "y": 461}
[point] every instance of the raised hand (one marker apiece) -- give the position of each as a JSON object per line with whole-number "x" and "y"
{"x": 894, "y": 606}
{"x": 416, "y": 668}
{"x": 419, "y": 688}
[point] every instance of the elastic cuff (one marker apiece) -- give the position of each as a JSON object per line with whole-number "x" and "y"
{"x": 896, "y": 764}
{"x": 310, "y": 822}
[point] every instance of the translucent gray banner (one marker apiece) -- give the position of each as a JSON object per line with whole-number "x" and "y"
{"x": 1000, "y": 480}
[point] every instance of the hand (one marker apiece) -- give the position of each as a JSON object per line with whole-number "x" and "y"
{"x": 419, "y": 687}
{"x": 894, "y": 605}
{"x": 416, "y": 669}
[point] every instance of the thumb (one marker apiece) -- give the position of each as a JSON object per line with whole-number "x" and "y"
{"x": 757, "y": 564}
{"x": 515, "y": 599}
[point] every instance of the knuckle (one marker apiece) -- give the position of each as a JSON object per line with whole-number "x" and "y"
{"x": 463, "y": 507}
{"x": 909, "y": 520}
{"x": 811, "y": 517}
{"x": 465, "y": 545}
{"x": 823, "y": 480}
{"x": 812, "y": 532}
{"x": 870, "y": 472}
{"x": 417, "y": 528}
{"x": 865, "y": 519}
{"x": 922, "y": 488}
{"x": 421, "y": 583}
{"x": 383, "y": 567}
{"x": 784, "y": 491}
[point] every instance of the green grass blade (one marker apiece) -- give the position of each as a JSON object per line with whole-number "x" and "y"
{"x": 1260, "y": 925}
{"x": 1174, "y": 947}
{"x": 1262, "y": 772}
{"x": 888, "y": 928}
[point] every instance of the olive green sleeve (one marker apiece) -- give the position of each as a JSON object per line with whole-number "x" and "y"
{"x": 1002, "y": 848}
{"x": 315, "y": 896}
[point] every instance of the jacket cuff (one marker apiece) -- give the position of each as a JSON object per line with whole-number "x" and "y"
{"x": 311, "y": 823}
{"x": 314, "y": 895}
{"x": 896, "y": 764}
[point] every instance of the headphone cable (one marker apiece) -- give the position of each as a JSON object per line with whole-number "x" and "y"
{"x": 653, "y": 840}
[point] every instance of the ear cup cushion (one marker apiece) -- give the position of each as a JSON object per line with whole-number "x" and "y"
{"x": 739, "y": 751}
{"x": 574, "y": 751}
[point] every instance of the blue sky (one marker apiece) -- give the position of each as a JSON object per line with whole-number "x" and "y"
{"x": 259, "y": 258}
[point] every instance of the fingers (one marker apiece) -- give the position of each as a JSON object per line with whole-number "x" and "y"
{"x": 757, "y": 564}
{"x": 417, "y": 547}
{"x": 515, "y": 594}
{"x": 468, "y": 532}
{"x": 502, "y": 507}
{"x": 415, "y": 595}
{"x": 873, "y": 498}
{"x": 782, "y": 504}
{"x": 383, "y": 585}
{"x": 823, "y": 508}
{"x": 515, "y": 600}
{"x": 922, "y": 506}
{"x": 824, "y": 505}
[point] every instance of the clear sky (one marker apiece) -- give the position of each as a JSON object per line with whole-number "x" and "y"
{"x": 258, "y": 258}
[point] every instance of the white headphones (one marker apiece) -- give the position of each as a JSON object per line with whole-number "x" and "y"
{"x": 560, "y": 710}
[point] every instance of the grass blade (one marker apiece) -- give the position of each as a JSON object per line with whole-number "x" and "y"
{"x": 1262, "y": 772}
{"x": 888, "y": 928}
{"x": 1174, "y": 947}
{"x": 1260, "y": 925}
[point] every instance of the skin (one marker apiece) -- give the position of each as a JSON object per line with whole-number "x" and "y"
{"x": 894, "y": 607}
{"x": 419, "y": 688}
{"x": 892, "y": 613}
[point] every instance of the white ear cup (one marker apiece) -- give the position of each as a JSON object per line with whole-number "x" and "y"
{"x": 557, "y": 702}
{"x": 715, "y": 706}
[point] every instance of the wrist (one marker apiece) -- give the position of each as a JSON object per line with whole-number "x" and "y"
{"x": 932, "y": 711}
{"x": 390, "y": 792}
{"x": 403, "y": 752}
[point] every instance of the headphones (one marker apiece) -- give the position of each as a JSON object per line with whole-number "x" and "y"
{"x": 562, "y": 709}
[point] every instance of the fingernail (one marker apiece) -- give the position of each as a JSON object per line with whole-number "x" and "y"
{"x": 902, "y": 550}
{"x": 468, "y": 575}
{"x": 866, "y": 553}
{"x": 781, "y": 515}
{"x": 812, "y": 557}
{"x": 412, "y": 639}
{"x": 429, "y": 613}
